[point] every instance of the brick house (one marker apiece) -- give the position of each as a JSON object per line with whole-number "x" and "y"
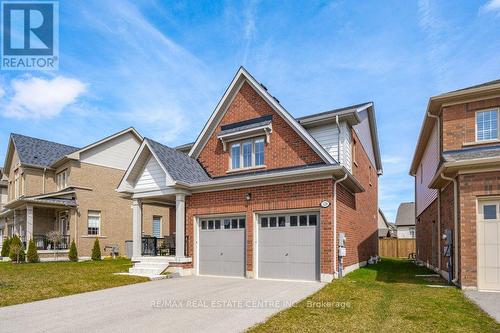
{"x": 456, "y": 166}
{"x": 261, "y": 194}
{"x": 53, "y": 187}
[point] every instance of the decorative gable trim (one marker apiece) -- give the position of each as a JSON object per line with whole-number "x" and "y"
{"x": 243, "y": 76}
{"x": 127, "y": 184}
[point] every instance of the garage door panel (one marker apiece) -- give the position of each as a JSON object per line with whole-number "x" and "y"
{"x": 290, "y": 251}
{"x": 488, "y": 244}
{"x": 222, "y": 251}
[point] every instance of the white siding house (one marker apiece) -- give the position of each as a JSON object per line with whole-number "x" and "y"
{"x": 329, "y": 137}
{"x": 425, "y": 171}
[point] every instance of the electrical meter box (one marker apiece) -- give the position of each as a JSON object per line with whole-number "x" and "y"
{"x": 342, "y": 252}
{"x": 342, "y": 240}
{"x": 448, "y": 242}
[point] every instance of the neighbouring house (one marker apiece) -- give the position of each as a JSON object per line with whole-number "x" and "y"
{"x": 3, "y": 201}
{"x": 385, "y": 228}
{"x": 405, "y": 220}
{"x": 70, "y": 191}
{"x": 456, "y": 166}
{"x": 262, "y": 194}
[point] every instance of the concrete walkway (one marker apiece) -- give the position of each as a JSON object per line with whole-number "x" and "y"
{"x": 190, "y": 304}
{"x": 488, "y": 301}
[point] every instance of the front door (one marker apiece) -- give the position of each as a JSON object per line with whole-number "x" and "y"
{"x": 488, "y": 244}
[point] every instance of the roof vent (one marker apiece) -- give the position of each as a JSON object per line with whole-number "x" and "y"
{"x": 263, "y": 86}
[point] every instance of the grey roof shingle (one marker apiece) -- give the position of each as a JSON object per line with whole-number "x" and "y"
{"x": 406, "y": 214}
{"x": 471, "y": 153}
{"x": 272, "y": 171}
{"x": 179, "y": 165}
{"x": 39, "y": 152}
{"x": 246, "y": 125}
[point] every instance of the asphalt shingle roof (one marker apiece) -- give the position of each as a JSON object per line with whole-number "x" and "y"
{"x": 39, "y": 152}
{"x": 406, "y": 214}
{"x": 179, "y": 165}
{"x": 471, "y": 153}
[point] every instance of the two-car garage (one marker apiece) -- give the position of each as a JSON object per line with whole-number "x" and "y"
{"x": 286, "y": 243}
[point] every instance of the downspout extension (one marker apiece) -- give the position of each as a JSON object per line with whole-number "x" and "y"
{"x": 455, "y": 223}
{"x": 335, "y": 265}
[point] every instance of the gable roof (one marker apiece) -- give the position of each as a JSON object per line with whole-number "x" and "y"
{"x": 179, "y": 166}
{"x": 406, "y": 214}
{"x": 481, "y": 91}
{"x": 38, "y": 152}
{"x": 76, "y": 154}
{"x": 242, "y": 76}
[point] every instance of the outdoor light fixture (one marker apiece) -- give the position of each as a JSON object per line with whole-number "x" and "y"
{"x": 248, "y": 196}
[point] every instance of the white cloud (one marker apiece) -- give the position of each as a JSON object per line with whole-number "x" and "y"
{"x": 37, "y": 98}
{"x": 491, "y": 6}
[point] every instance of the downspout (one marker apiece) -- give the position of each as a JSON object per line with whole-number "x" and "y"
{"x": 335, "y": 223}
{"x": 43, "y": 181}
{"x": 455, "y": 222}
{"x": 439, "y": 192}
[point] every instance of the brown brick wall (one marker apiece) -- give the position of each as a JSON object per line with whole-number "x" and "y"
{"x": 427, "y": 228}
{"x": 286, "y": 147}
{"x": 458, "y": 122}
{"x": 447, "y": 220}
{"x": 472, "y": 187}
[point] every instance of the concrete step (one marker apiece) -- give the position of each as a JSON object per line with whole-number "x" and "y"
{"x": 145, "y": 271}
{"x": 158, "y": 265}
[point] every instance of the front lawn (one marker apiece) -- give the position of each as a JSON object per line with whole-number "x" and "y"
{"x": 21, "y": 283}
{"x": 386, "y": 297}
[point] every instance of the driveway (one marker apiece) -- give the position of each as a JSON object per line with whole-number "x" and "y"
{"x": 189, "y": 304}
{"x": 488, "y": 301}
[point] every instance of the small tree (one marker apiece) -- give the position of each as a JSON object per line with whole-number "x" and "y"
{"x": 96, "y": 250}
{"x": 73, "y": 253}
{"x": 55, "y": 238}
{"x": 5, "y": 248}
{"x": 16, "y": 252}
{"x": 32, "y": 254}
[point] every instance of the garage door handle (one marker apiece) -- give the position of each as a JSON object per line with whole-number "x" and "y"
{"x": 286, "y": 254}
{"x": 221, "y": 253}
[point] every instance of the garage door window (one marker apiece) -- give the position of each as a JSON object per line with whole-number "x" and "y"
{"x": 272, "y": 222}
{"x": 264, "y": 222}
{"x": 226, "y": 224}
{"x": 490, "y": 212}
{"x": 313, "y": 220}
{"x": 293, "y": 221}
{"x": 281, "y": 221}
{"x": 217, "y": 224}
{"x": 303, "y": 220}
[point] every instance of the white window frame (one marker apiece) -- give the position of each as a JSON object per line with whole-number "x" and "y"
{"x": 241, "y": 156}
{"x": 62, "y": 179}
{"x": 94, "y": 213}
{"x": 497, "y": 110}
{"x": 412, "y": 232}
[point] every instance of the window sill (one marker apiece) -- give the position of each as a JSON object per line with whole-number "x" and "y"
{"x": 475, "y": 143}
{"x": 246, "y": 169}
{"x": 94, "y": 236}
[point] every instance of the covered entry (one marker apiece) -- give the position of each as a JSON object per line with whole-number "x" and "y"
{"x": 288, "y": 246}
{"x": 222, "y": 246}
{"x": 488, "y": 244}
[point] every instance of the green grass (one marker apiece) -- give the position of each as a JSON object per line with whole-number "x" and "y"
{"x": 21, "y": 283}
{"x": 386, "y": 297}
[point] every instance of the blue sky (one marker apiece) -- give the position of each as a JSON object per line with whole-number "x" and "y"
{"x": 162, "y": 66}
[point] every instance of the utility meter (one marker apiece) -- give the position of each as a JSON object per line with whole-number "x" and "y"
{"x": 342, "y": 244}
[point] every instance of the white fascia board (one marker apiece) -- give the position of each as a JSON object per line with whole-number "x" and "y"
{"x": 156, "y": 193}
{"x": 123, "y": 186}
{"x": 374, "y": 133}
{"x": 243, "y": 73}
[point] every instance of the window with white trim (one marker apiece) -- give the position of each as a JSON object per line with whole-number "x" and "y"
{"x": 412, "y": 232}
{"x": 62, "y": 179}
{"x": 487, "y": 125}
{"x": 247, "y": 154}
{"x": 93, "y": 222}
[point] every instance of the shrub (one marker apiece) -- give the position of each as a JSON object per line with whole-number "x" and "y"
{"x": 16, "y": 251}
{"x": 5, "y": 248}
{"x": 96, "y": 250}
{"x": 32, "y": 254}
{"x": 73, "y": 253}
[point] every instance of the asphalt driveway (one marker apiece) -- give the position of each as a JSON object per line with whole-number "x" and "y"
{"x": 190, "y": 304}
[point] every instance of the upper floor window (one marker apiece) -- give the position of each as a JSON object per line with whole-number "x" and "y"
{"x": 93, "y": 222}
{"x": 62, "y": 179}
{"x": 247, "y": 153}
{"x": 487, "y": 125}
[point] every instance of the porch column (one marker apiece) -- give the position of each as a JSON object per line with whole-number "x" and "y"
{"x": 180, "y": 214}
{"x": 29, "y": 223}
{"x": 136, "y": 228}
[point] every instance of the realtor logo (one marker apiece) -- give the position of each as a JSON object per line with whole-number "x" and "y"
{"x": 30, "y": 35}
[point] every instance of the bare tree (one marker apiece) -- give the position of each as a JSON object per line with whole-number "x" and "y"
{"x": 56, "y": 238}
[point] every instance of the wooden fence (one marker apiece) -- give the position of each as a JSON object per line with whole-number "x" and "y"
{"x": 396, "y": 248}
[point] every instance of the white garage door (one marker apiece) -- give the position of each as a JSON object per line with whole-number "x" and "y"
{"x": 288, "y": 246}
{"x": 222, "y": 246}
{"x": 488, "y": 245}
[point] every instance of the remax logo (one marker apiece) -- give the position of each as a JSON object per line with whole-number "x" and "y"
{"x": 30, "y": 35}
